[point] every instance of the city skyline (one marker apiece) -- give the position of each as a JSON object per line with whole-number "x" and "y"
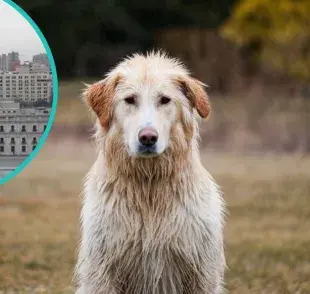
{"x": 16, "y": 34}
{"x": 22, "y": 54}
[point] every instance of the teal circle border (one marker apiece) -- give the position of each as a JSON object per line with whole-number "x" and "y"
{"x": 45, "y": 134}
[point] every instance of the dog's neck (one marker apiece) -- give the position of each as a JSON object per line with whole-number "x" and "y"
{"x": 148, "y": 185}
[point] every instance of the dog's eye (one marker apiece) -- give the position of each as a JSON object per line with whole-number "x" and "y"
{"x": 164, "y": 100}
{"x": 130, "y": 100}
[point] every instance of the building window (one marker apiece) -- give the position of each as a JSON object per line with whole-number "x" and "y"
{"x": 34, "y": 141}
{"x": 1, "y": 148}
{"x": 12, "y": 140}
{"x": 34, "y": 128}
{"x": 1, "y": 129}
{"x": 12, "y": 129}
{"x": 23, "y": 148}
{"x": 24, "y": 141}
{"x": 13, "y": 149}
{"x": 23, "y": 128}
{"x": 1, "y": 140}
{"x": 34, "y": 147}
{"x": 44, "y": 128}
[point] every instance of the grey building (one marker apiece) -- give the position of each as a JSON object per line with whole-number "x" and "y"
{"x": 41, "y": 59}
{"x": 12, "y": 59}
{"x": 26, "y": 86}
{"x": 3, "y": 62}
{"x": 20, "y": 129}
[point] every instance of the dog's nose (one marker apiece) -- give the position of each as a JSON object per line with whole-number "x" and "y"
{"x": 148, "y": 136}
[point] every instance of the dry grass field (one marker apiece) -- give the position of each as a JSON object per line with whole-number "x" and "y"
{"x": 268, "y": 226}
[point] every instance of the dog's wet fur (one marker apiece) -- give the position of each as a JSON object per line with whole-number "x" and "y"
{"x": 152, "y": 219}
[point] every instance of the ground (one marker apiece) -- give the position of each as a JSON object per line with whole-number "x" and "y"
{"x": 268, "y": 223}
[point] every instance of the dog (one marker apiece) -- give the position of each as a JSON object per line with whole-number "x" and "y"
{"x": 152, "y": 217}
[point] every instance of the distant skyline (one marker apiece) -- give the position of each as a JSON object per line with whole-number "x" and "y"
{"x": 16, "y": 34}
{"x": 22, "y": 55}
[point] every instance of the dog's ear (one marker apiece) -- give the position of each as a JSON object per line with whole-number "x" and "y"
{"x": 99, "y": 97}
{"x": 194, "y": 91}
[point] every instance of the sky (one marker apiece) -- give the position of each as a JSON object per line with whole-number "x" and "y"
{"x": 16, "y": 34}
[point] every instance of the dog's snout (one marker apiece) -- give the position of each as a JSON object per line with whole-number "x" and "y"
{"x": 148, "y": 136}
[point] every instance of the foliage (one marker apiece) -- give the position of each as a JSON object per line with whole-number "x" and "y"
{"x": 88, "y": 37}
{"x": 279, "y": 29}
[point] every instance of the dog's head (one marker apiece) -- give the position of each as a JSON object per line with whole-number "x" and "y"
{"x": 149, "y": 103}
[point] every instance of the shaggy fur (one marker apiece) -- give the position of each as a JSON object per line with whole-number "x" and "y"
{"x": 150, "y": 225}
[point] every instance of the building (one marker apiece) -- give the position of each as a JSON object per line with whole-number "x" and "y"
{"x": 23, "y": 68}
{"x": 30, "y": 67}
{"x": 26, "y": 86}
{"x": 20, "y": 129}
{"x": 3, "y": 62}
{"x": 15, "y": 65}
{"x": 9, "y": 62}
{"x": 12, "y": 60}
{"x": 41, "y": 59}
{"x": 38, "y": 67}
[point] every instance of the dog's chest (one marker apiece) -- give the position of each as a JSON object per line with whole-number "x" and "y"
{"x": 147, "y": 221}
{"x": 138, "y": 245}
{"x": 137, "y": 234}
{"x": 144, "y": 250}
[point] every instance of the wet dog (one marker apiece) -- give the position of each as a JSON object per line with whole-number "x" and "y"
{"x": 152, "y": 216}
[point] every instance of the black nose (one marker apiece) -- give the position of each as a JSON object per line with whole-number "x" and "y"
{"x": 148, "y": 136}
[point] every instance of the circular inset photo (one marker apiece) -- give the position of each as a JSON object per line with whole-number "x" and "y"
{"x": 28, "y": 90}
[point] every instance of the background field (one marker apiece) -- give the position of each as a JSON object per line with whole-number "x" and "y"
{"x": 267, "y": 236}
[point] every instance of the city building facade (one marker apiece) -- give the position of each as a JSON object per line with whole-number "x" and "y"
{"x": 26, "y": 86}
{"x": 30, "y": 67}
{"x": 23, "y": 84}
{"x": 20, "y": 129}
{"x": 3, "y": 62}
{"x": 41, "y": 59}
{"x": 13, "y": 60}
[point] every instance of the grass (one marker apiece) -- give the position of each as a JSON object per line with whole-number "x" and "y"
{"x": 268, "y": 226}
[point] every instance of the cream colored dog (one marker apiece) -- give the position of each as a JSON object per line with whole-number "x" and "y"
{"x": 152, "y": 216}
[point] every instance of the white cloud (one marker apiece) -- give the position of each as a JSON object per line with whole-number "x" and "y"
{"x": 16, "y": 34}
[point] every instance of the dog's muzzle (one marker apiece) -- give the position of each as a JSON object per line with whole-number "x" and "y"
{"x": 148, "y": 137}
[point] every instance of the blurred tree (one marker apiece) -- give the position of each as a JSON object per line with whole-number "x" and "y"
{"x": 276, "y": 32}
{"x": 87, "y": 37}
